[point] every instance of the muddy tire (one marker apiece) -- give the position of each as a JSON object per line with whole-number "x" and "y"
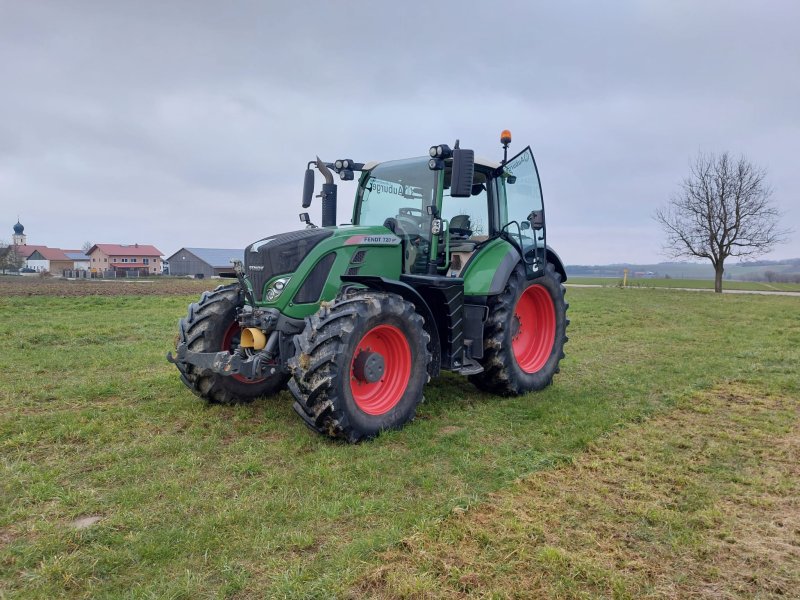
{"x": 360, "y": 366}
{"x": 210, "y": 326}
{"x": 524, "y": 335}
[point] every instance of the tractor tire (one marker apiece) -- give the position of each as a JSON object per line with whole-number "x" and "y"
{"x": 360, "y": 365}
{"x": 211, "y": 326}
{"x": 524, "y": 335}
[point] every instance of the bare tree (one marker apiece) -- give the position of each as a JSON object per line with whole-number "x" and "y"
{"x": 5, "y": 255}
{"x": 9, "y": 259}
{"x": 723, "y": 209}
{"x": 86, "y": 247}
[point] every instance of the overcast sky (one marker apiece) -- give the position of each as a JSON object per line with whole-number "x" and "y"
{"x": 190, "y": 123}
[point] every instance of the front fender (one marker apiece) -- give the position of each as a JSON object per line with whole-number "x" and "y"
{"x": 408, "y": 293}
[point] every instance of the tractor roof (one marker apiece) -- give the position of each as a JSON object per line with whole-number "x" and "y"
{"x": 479, "y": 160}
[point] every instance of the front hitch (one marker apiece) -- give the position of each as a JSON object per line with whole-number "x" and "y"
{"x": 224, "y": 363}
{"x": 238, "y": 268}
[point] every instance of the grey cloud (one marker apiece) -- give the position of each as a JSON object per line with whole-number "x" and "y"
{"x": 195, "y": 119}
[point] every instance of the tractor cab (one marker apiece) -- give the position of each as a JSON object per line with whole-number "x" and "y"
{"x": 441, "y": 231}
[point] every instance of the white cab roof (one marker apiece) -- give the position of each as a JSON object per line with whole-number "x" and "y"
{"x": 479, "y": 160}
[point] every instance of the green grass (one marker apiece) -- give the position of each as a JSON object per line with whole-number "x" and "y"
{"x": 699, "y": 284}
{"x": 697, "y": 502}
{"x": 201, "y": 501}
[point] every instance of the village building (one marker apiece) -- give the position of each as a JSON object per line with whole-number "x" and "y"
{"x": 203, "y": 262}
{"x": 142, "y": 259}
{"x": 19, "y": 238}
{"x": 44, "y": 259}
{"x": 50, "y": 260}
{"x": 101, "y": 259}
{"x": 80, "y": 260}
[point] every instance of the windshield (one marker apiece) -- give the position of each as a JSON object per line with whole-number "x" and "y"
{"x": 396, "y": 194}
{"x": 399, "y": 188}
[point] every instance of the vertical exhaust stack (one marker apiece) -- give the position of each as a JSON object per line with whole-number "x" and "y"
{"x": 328, "y": 204}
{"x": 328, "y": 196}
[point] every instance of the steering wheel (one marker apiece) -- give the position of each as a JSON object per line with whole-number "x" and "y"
{"x": 408, "y": 222}
{"x": 411, "y": 217}
{"x": 407, "y": 211}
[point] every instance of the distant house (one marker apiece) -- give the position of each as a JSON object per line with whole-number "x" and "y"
{"x": 78, "y": 258}
{"x": 25, "y": 250}
{"x": 141, "y": 258}
{"x": 206, "y": 262}
{"x": 52, "y": 260}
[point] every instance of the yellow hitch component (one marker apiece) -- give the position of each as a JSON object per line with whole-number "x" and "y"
{"x": 253, "y": 338}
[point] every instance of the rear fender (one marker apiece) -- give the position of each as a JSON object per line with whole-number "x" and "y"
{"x": 556, "y": 261}
{"x": 487, "y": 271}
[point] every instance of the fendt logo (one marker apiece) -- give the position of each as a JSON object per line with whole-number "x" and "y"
{"x": 256, "y": 267}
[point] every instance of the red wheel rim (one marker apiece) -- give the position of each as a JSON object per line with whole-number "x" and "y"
{"x": 533, "y": 328}
{"x": 381, "y": 396}
{"x": 230, "y": 342}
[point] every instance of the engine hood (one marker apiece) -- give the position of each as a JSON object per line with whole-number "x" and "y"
{"x": 279, "y": 254}
{"x": 282, "y": 254}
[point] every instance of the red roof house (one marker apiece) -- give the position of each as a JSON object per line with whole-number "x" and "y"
{"x": 25, "y": 250}
{"x": 52, "y": 260}
{"x": 143, "y": 258}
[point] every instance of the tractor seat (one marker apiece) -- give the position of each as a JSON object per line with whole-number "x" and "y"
{"x": 460, "y": 228}
{"x": 460, "y": 231}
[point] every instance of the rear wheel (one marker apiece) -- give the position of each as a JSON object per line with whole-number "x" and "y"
{"x": 524, "y": 335}
{"x": 360, "y": 366}
{"x": 211, "y": 326}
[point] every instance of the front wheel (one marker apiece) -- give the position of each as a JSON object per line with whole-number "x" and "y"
{"x": 524, "y": 335}
{"x": 211, "y": 326}
{"x": 360, "y": 366}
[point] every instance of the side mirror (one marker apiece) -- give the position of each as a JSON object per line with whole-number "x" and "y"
{"x": 463, "y": 172}
{"x": 308, "y": 187}
{"x": 536, "y": 219}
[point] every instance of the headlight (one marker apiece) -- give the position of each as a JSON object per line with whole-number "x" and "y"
{"x": 276, "y": 288}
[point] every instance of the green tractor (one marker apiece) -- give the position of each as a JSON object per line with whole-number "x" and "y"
{"x": 444, "y": 266}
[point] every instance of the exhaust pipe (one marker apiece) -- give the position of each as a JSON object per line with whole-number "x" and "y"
{"x": 328, "y": 196}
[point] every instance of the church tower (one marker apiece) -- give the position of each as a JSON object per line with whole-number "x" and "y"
{"x": 19, "y": 238}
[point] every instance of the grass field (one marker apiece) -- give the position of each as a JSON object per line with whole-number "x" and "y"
{"x": 697, "y": 284}
{"x": 245, "y": 502}
{"x": 703, "y": 501}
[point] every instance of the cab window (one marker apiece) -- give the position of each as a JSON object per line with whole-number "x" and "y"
{"x": 468, "y": 218}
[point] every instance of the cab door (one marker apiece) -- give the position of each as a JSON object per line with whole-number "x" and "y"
{"x": 522, "y": 210}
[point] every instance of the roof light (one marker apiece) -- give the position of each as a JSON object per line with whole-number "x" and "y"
{"x": 505, "y": 137}
{"x": 343, "y": 163}
{"x": 441, "y": 151}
